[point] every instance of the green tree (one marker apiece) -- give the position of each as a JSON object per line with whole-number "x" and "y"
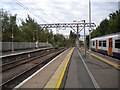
{"x": 104, "y": 27}
{"x": 50, "y": 37}
{"x": 108, "y": 26}
{"x": 9, "y": 27}
{"x": 29, "y": 30}
{"x": 72, "y": 38}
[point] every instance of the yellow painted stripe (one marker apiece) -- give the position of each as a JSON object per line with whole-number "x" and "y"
{"x": 111, "y": 63}
{"x": 57, "y": 77}
{"x": 102, "y": 59}
{"x": 63, "y": 72}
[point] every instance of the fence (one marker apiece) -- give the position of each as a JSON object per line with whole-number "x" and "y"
{"x": 7, "y": 46}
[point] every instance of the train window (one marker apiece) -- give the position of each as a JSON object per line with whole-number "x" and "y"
{"x": 93, "y": 43}
{"x": 104, "y": 43}
{"x": 117, "y": 43}
{"x": 100, "y": 43}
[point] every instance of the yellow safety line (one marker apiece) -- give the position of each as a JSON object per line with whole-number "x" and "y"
{"x": 100, "y": 58}
{"x": 63, "y": 72}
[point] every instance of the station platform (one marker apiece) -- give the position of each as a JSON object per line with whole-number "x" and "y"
{"x": 50, "y": 74}
{"x": 10, "y": 53}
{"x": 71, "y": 69}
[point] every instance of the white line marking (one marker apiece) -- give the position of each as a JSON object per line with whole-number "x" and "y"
{"x": 90, "y": 74}
{"x": 36, "y": 73}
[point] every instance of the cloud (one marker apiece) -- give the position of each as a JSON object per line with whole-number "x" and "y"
{"x": 55, "y": 11}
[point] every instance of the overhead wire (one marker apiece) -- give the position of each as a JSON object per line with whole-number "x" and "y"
{"x": 41, "y": 10}
{"x": 26, "y": 8}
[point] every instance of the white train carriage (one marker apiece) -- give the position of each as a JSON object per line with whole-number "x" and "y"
{"x": 108, "y": 44}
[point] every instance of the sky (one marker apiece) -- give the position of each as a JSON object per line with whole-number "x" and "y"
{"x": 60, "y": 11}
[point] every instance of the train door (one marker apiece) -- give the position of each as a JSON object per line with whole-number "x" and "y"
{"x": 110, "y": 47}
{"x": 96, "y": 45}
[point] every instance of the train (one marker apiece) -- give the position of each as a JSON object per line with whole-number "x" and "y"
{"x": 107, "y": 44}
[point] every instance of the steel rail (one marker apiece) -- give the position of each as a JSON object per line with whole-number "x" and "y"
{"x": 28, "y": 70}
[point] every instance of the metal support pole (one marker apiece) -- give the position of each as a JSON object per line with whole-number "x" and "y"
{"x": 73, "y": 29}
{"x": 12, "y": 39}
{"x": 37, "y": 38}
{"x": 77, "y": 36}
{"x": 89, "y": 44}
{"x": 34, "y": 39}
{"x": 90, "y": 29}
{"x": 84, "y": 40}
{"x": 57, "y": 30}
{"x": 47, "y": 37}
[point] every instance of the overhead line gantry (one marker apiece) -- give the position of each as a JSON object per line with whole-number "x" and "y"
{"x": 71, "y": 25}
{"x": 67, "y": 25}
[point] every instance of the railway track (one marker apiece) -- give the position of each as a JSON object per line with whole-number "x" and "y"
{"x": 19, "y": 62}
{"x": 15, "y": 72}
{"x": 22, "y": 55}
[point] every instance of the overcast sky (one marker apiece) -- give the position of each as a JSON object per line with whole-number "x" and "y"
{"x": 58, "y": 11}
